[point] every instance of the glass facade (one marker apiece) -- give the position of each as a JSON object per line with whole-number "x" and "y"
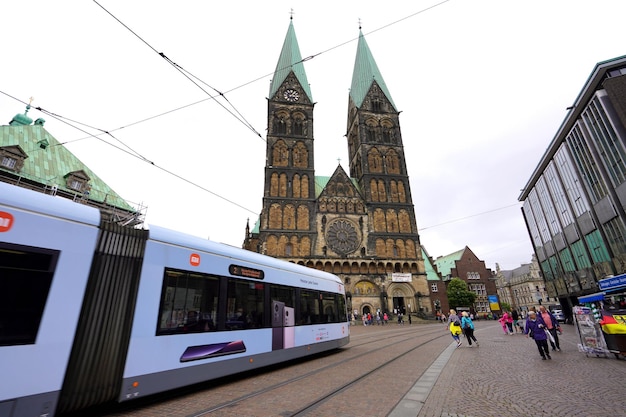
{"x": 573, "y": 203}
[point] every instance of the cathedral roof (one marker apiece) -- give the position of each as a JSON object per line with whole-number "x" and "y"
{"x": 290, "y": 60}
{"x": 446, "y": 263}
{"x": 365, "y": 73}
{"x": 431, "y": 273}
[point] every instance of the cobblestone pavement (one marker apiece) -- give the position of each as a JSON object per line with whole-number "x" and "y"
{"x": 506, "y": 377}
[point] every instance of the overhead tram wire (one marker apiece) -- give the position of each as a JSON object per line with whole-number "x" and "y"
{"x": 187, "y": 74}
{"x": 134, "y": 154}
{"x": 468, "y": 217}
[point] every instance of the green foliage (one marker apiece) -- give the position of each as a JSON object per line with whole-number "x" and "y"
{"x": 505, "y": 306}
{"x": 459, "y": 295}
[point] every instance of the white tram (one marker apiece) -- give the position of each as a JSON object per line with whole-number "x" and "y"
{"x": 93, "y": 312}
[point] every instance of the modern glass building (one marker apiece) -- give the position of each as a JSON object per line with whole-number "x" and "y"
{"x": 573, "y": 203}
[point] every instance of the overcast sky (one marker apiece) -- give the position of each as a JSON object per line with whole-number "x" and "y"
{"x": 482, "y": 85}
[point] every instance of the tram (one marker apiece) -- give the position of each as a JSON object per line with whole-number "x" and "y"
{"x": 93, "y": 312}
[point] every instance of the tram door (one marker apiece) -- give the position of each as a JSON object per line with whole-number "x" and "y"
{"x": 278, "y": 321}
{"x": 398, "y": 303}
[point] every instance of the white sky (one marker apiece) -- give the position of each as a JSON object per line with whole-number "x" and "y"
{"x": 482, "y": 86}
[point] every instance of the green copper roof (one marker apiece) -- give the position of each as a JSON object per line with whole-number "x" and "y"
{"x": 290, "y": 60}
{"x": 365, "y": 73}
{"x": 49, "y": 162}
{"x": 322, "y": 181}
{"x": 431, "y": 273}
{"x": 446, "y": 263}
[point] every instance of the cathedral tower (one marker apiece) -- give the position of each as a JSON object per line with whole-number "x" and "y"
{"x": 361, "y": 226}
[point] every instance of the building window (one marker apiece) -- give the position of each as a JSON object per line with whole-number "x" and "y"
{"x": 8, "y": 162}
{"x": 473, "y": 275}
{"x": 433, "y": 287}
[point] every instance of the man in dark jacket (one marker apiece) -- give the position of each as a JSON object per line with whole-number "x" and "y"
{"x": 536, "y": 328}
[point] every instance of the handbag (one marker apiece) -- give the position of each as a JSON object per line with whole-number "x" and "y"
{"x": 456, "y": 323}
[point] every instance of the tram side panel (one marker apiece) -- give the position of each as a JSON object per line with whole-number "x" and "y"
{"x": 46, "y": 247}
{"x": 187, "y": 282}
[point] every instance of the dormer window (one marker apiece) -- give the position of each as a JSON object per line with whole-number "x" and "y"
{"x": 78, "y": 181}
{"x": 12, "y": 158}
{"x": 8, "y": 162}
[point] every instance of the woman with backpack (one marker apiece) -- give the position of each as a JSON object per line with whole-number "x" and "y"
{"x": 468, "y": 328}
{"x": 455, "y": 327}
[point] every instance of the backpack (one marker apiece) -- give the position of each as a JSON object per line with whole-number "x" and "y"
{"x": 467, "y": 324}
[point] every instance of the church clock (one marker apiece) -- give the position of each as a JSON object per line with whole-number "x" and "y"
{"x": 291, "y": 95}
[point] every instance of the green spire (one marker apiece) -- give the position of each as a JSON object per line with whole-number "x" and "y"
{"x": 365, "y": 73}
{"x": 290, "y": 60}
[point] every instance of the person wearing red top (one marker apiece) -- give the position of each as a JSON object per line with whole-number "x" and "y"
{"x": 552, "y": 325}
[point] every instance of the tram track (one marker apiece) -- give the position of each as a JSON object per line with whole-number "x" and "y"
{"x": 398, "y": 340}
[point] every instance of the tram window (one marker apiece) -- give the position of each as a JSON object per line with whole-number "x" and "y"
{"x": 329, "y": 308}
{"x": 25, "y": 278}
{"x": 188, "y": 303}
{"x": 309, "y": 307}
{"x": 283, "y": 293}
{"x": 342, "y": 309}
{"x": 245, "y": 305}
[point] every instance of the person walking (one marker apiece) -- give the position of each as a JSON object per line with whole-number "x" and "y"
{"x": 552, "y": 324}
{"x": 455, "y": 327}
{"x": 516, "y": 324}
{"x": 468, "y": 328}
{"x": 385, "y": 318}
{"x": 536, "y": 328}
{"x": 502, "y": 321}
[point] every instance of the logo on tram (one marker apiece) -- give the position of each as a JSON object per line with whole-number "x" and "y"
{"x": 194, "y": 259}
{"x": 6, "y": 221}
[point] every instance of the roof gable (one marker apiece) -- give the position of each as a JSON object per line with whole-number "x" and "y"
{"x": 339, "y": 185}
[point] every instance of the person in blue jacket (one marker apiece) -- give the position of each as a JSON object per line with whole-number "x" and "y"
{"x": 536, "y": 328}
{"x": 468, "y": 328}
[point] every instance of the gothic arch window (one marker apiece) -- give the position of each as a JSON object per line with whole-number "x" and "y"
{"x": 392, "y": 221}
{"x": 410, "y": 249}
{"x": 340, "y": 189}
{"x": 280, "y": 154}
{"x": 303, "y": 217}
{"x": 396, "y": 251}
{"x": 280, "y": 247}
{"x": 296, "y": 186}
{"x": 274, "y": 185}
{"x": 370, "y": 133}
{"x": 304, "y": 187}
{"x": 381, "y": 249}
{"x": 374, "y": 190}
{"x": 405, "y": 221}
{"x": 350, "y": 207}
{"x": 393, "y": 188}
{"x": 401, "y": 249}
{"x": 390, "y": 247}
{"x": 288, "y": 249}
{"x": 374, "y": 160}
{"x": 305, "y": 246}
{"x": 282, "y": 185}
{"x": 300, "y": 155}
{"x": 377, "y": 105}
{"x": 271, "y": 245}
{"x": 280, "y": 124}
{"x": 393, "y": 162}
{"x": 382, "y": 194}
{"x": 276, "y": 216}
{"x": 341, "y": 206}
{"x": 401, "y": 192}
{"x": 379, "y": 221}
{"x": 298, "y": 125}
{"x": 332, "y": 206}
{"x": 289, "y": 217}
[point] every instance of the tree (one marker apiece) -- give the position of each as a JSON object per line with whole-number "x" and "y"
{"x": 505, "y": 306}
{"x": 459, "y": 295}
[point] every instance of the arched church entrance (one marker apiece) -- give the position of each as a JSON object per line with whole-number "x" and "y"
{"x": 367, "y": 309}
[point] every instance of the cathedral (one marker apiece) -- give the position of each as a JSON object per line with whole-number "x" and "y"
{"x": 359, "y": 226}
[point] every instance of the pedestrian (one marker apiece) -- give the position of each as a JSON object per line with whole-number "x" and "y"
{"x": 516, "y": 325}
{"x": 502, "y": 321}
{"x": 409, "y": 318}
{"x": 443, "y": 318}
{"x": 552, "y": 324}
{"x": 535, "y": 328}
{"x": 455, "y": 327}
{"x": 509, "y": 321}
{"x": 467, "y": 324}
{"x": 385, "y": 318}
{"x": 378, "y": 318}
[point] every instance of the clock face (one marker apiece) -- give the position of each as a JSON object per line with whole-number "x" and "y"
{"x": 291, "y": 95}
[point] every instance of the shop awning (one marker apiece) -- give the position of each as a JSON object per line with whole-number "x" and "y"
{"x": 598, "y": 296}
